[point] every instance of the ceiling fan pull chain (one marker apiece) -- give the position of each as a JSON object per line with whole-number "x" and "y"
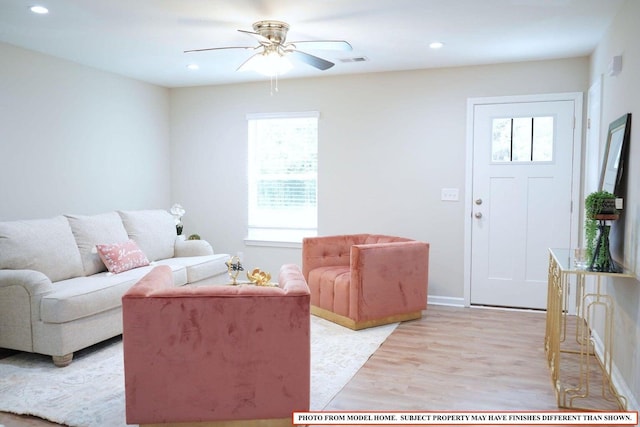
{"x": 271, "y": 81}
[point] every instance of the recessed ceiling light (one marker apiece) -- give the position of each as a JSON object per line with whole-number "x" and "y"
{"x": 193, "y": 67}
{"x": 41, "y": 10}
{"x": 436, "y": 45}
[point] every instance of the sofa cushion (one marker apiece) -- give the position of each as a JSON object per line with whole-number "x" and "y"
{"x": 153, "y": 230}
{"x": 86, "y": 296}
{"x": 200, "y": 267}
{"x": 44, "y": 245}
{"x": 90, "y": 230}
{"x": 119, "y": 257}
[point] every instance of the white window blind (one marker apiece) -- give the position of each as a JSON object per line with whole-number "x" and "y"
{"x": 283, "y": 176}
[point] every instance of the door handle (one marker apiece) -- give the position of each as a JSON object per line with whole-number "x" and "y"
{"x": 478, "y": 215}
{"x": 478, "y": 201}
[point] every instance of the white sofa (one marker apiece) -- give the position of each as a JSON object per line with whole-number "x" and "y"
{"x": 56, "y": 295}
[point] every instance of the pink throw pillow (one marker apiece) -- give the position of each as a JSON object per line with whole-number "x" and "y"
{"x": 119, "y": 257}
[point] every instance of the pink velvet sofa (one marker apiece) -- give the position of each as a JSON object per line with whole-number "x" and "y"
{"x": 365, "y": 280}
{"x": 216, "y": 355}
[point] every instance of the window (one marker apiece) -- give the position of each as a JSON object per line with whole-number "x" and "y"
{"x": 522, "y": 139}
{"x": 283, "y": 176}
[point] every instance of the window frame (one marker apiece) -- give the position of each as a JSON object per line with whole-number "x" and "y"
{"x": 266, "y": 235}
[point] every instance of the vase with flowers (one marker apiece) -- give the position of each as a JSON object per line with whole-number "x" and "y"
{"x": 178, "y": 212}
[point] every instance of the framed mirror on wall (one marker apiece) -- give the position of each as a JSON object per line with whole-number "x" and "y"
{"x": 615, "y": 153}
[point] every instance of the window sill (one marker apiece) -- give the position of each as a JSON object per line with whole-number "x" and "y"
{"x": 273, "y": 243}
{"x": 277, "y": 238}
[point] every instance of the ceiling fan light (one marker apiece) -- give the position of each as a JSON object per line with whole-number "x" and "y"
{"x": 272, "y": 64}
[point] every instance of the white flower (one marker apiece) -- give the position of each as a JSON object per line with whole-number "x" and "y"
{"x": 178, "y": 212}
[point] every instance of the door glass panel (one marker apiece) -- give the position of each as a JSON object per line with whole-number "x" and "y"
{"x": 542, "y": 139}
{"x": 522, "y": 139}
{"x": 501, "y": 140}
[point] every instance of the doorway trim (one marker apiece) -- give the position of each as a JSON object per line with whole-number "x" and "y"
{"x": 576, "y": 175}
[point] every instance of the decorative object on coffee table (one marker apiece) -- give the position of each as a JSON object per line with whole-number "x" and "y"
{"x": 235, "y": 267}
{"x": 259, "y": 277}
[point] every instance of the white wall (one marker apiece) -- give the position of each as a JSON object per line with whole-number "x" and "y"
{"x": 77, "y": 140}
{"x": 388, "y": 143}
{"x": 621, "y": 95}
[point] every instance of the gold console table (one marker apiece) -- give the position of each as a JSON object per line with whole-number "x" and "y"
{"x": 581, "y": 378}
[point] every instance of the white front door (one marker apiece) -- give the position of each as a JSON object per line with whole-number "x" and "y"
{"x": 522, "y": 189}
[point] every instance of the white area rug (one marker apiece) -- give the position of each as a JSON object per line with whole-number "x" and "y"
{"x": 90, "y": 391}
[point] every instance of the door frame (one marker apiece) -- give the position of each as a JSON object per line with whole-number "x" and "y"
{"x": 576, "y": 175}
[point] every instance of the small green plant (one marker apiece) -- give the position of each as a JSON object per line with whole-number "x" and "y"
{"x": 194, "y": 237}
{"x": 599, "y": 203}
{"x": 596, "y": 204}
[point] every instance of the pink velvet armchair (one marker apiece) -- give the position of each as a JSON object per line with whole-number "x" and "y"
{"x": 365, "y": 280}
{"x": 220, "y": 355}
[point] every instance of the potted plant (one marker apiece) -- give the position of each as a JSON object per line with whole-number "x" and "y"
{"x": 600, "y": 206}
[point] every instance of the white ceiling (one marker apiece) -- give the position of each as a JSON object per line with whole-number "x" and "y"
{"x": 145, "y": 39}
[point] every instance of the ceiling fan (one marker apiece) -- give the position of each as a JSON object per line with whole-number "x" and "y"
{"x": 274, "y": 51}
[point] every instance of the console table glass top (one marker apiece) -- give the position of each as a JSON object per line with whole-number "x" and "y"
{"x": 565, "y": 258}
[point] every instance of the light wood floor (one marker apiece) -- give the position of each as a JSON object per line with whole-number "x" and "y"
{"x": 456, "y": 359}
{"x": 451, "y": 359}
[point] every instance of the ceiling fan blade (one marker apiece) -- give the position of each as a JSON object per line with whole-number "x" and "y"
{"x": 220, "y": 48}
{"x": 262, "y": 39}
{"x": 323, "y": 45}
{"x": 314, "y": 61}
{"x": 247, "y": 65}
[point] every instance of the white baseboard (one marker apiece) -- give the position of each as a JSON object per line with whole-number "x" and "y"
{"x": 450, "y": 301}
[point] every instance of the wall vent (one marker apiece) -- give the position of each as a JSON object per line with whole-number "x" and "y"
{"x": 355, "y": 59}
